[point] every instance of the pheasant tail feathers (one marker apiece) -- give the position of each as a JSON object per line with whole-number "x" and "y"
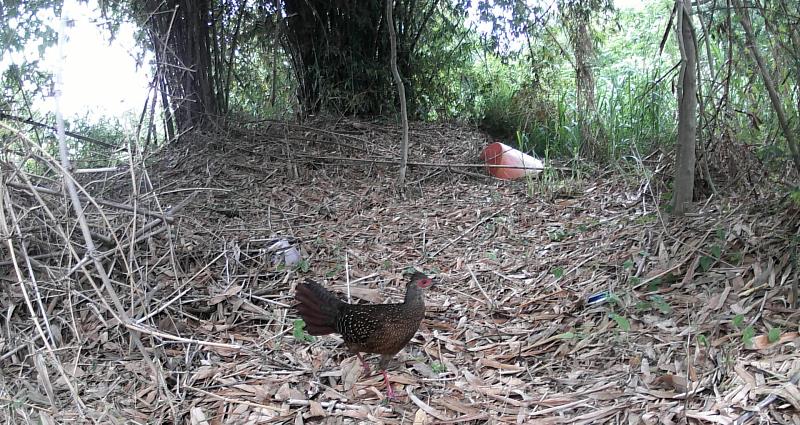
{"x": 318, "y": 307}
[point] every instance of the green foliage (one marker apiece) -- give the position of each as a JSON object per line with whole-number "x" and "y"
{"x": 646, "y": 218}
{"x": 774, "y": 335}
{"x": 747, "y": 336}
{"x": 409, "y": 270}
{"x": 303, "y": 265}
{"x": 622, "y": 322}
{"x": 558, "y": 272}
{"x": 495, "y": 103}
{"x": 98, "y": 146}
{"x": 738, "y": 321}
{"x": 527, "y": 117}
{"x": 529, "y": 99}
{"x": 109, "y": 130}
{"x": 298, "y": 331}
{"x": 334, "y": 271}
{"x": 567, "y": 335}
{"x": 636, "y": 116}
{"x": 340, "y": 55}
{"x": 654, "y": 284}
{"x": 557, "y": 235}
{"x": 533, "y": 106}
{"x": 22, "y": 22}
{"x": 794, "y": 196}
{"x": 614, "y": 299}
{"x": 21, "y": 83}
{"x": 444, "y": 82}
{"x": 735, "y": 257}
{"x": 656, "y": 301}
{"x": 708, "y": 261}
{"x": 254, "y": 96}
{"x": 661, "y": 304}
{"x": 438, "y": 367}
{"x": 546, "y": 183}
{"x": 705, "y": 263}
{"x": 264, "y": 85}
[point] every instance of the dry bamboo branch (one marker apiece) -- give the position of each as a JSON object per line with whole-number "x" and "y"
{"x": 103, "y": 202}
{"x": 391, "y": 161}
{"x": 163, "y": 335}
{"x": 68, "y": 133}
{"x": 401, "y": 91}
{"x": 48, "y": 348}
{"x": 83, "y": 225}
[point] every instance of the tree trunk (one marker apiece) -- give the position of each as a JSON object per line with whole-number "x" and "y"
{"x": 401, "y": 90}
{"x": 179, "y": 31}
{"x": 683, "y": 188}
{"x": 584, "y": 80}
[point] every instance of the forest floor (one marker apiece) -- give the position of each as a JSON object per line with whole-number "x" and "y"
{"x": 698, "y": 324}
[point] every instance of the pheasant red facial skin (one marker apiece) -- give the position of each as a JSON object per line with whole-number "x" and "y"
{"x": 370, "y": 328}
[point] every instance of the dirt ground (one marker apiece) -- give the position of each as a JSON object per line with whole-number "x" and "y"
{"x": 698, "y": 322}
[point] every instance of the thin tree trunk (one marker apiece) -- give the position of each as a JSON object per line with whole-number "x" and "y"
{"x": 583, "y": 49}
{"x": 703, "y": 121}
{"x": 791, "y": 140}
{"x": 274, "y": 47}
{"x": 226, "y": 93}
{"x": 401, "y": 179}
{"x": 683, "y": 188}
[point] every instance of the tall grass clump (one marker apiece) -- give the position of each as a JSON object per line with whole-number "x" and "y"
{"x": 635, "y": 113}
{"x": 534, "y": 118}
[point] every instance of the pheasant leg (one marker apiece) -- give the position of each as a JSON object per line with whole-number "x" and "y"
{"x": 389, "y": 391}
{"x": 364, "y": 364}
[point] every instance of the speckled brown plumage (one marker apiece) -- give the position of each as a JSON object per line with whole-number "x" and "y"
{"x": 370, "y": 328}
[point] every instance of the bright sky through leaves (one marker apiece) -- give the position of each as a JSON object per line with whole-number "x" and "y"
{"x": 99, "y": 78}
{"x": 102, "y": 78}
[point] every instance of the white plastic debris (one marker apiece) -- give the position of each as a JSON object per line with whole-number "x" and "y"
{"x": 284, "y": 253}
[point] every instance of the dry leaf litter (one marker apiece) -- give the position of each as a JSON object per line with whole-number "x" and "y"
{"x": 695, "y": 319}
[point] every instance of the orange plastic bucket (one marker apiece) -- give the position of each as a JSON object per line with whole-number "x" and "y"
{"x": 520, "y": 164}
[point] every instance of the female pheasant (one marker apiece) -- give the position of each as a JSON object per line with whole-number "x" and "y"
{"x": 371, "y": 328}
